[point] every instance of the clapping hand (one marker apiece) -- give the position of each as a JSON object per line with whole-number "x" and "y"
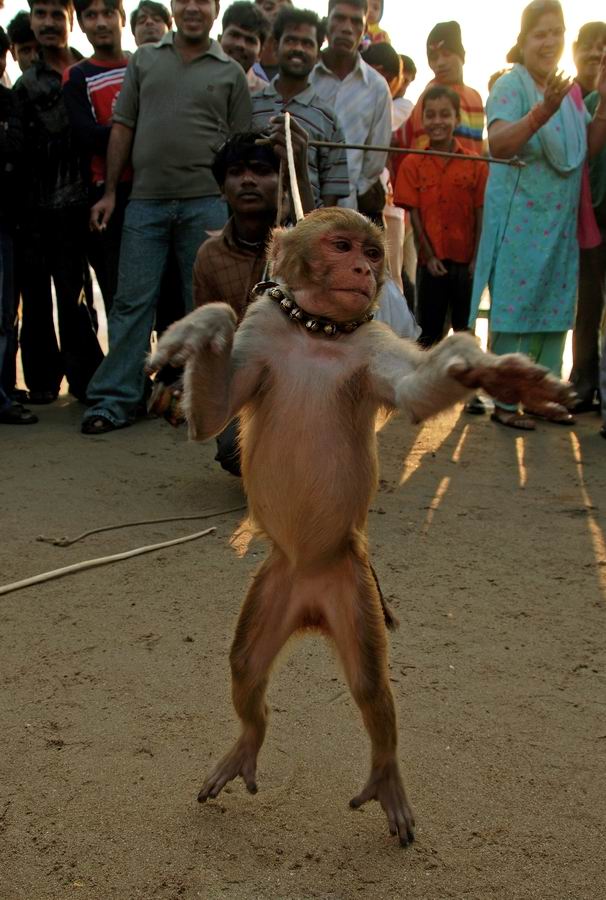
{"x": 558, "y": 85}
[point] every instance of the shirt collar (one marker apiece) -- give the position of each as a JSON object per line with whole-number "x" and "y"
{"x": 213, "y": 50}
{"x": 304, "y": 98}
{"x": 361, "y": 68}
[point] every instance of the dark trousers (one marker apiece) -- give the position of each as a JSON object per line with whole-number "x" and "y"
{"x": 588, "y": 323}
{"x": 443, "y": 301}
{"x": 55, "y": 247}
{"x": 228, "y": 448}
{"x": 103, "y": 247}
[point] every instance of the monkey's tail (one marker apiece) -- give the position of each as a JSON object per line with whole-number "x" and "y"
{"x": 391, "y": 620}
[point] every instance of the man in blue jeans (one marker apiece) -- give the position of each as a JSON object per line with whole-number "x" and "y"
{"x": 180, "y": 99}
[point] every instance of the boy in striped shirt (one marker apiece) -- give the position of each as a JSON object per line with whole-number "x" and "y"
{"x": 446, "y": 57}
{"x": 90, "y": 90}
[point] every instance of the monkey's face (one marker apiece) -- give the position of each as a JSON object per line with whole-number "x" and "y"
{"x": 333, "y": 261}
{"x": 345, "y": 275}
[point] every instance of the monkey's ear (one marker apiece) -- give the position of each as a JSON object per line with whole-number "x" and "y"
{"x": 285, "y": 262}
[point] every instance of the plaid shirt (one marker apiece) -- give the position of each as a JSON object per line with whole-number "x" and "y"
{"x": 328, "y": 172}
{"x": 225, "y": 271}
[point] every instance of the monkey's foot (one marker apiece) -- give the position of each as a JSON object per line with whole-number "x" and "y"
{"x": 241, "y": 760}
{"x": 514, "y": 378}
{"x": 385, "y": 786}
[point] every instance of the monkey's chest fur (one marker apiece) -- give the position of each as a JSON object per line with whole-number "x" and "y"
{"x": 309, "y": 456}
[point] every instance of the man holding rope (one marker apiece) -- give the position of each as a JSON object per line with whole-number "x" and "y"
{"x": 360, "y": 98}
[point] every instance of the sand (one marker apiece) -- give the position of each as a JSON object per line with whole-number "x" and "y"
{"x": 115, "y": 682}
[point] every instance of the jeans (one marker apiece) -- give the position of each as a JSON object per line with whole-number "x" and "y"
{"x": 103, "y": 247}
{"x": 152, "y": 228}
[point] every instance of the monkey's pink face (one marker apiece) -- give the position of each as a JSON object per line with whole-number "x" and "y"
{"x": 346, "y": 274}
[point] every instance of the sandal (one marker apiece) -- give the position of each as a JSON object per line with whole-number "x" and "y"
{"x": 98, "y": 425}
{"x": 512, "y": 419}
{"x": 17, "y": 415}
{"x": 562, "y": 417}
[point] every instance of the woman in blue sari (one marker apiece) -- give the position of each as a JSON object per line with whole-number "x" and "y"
{"x": 529, "y": 251}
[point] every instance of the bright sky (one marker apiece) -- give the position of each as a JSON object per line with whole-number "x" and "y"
{"x": 489, "y": 29}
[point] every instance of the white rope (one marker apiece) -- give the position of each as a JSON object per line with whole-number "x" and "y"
{"x": 294, "y": 187}
{"x": 101, "y": 561}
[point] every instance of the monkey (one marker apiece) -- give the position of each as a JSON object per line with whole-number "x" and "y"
{"x": 307, "y": 371}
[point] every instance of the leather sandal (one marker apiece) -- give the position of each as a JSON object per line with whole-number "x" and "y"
{"x": 98, "y": 425}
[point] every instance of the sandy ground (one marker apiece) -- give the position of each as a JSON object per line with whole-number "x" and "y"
{"x": 115, "y": 691}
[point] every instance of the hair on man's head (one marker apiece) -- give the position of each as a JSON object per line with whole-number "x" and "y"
{"x": 590, "y": 33}
{"x": 81, "y": 6}
{"x": 4, "y": 42}
{"x": 247, "y": 16}
{"x": 362, "y": 5}
{"x": 66, "y": 4}
{"x": 19, "y": 29}
{"x": 290, "y": 15}
{"x": 408, "y": 65}
{"x": 442, "y": 90}
{"x": 242, "y": 148}
{"x": 384, "y": 55}
{"x": 153, "y": 7}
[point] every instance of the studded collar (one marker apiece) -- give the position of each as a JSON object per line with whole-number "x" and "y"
{"x": 280, "y": 294}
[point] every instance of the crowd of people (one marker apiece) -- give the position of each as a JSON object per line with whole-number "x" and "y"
{"x": 159, "y": 171}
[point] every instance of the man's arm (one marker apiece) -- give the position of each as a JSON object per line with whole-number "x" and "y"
{"x": 436, "y": 266}
{"x": 332, "y": 168}
{"x": 118, "y": 155}
{"x": 379, "y": 133}
{"x": 239, "y": 114}
{"x": 92, "y": 137}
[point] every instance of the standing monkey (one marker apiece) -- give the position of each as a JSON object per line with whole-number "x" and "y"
{"x": 306, "y": 372}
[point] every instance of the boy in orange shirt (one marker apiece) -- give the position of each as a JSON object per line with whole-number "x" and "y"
{"x": 445, "y": 198}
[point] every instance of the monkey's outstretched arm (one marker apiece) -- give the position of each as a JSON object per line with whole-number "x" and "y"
{"x": 219, "y": 377}
{"x": 422, "y": 383}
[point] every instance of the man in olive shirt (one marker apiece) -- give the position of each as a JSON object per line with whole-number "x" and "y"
{"x": 180, "y": 99}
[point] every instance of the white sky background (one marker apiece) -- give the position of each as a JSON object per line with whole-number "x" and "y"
{"x": 489, "y": 30}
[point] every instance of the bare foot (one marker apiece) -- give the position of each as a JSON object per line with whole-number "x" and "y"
{"x": 385, "y": 786}
{"x": 241, "y": 760}
{"x": 514, "y": 378}
{"x": 512, "y": 419}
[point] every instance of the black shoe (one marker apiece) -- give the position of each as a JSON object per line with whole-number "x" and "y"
{"x": 17, "y": 415}
{"x": 475, "y": 407}
{"x": 41, "y": 398}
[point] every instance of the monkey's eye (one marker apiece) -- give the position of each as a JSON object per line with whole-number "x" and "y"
{"x": 342, "y": 245}
{"x": 374, "y": 254}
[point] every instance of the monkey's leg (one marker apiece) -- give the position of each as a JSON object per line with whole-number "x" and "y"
{"x": 267, "y": 620}
{"x": 357, "y": 626}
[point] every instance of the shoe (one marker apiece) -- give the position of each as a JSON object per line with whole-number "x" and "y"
{"x": 512, "y": 419}
{"x": 98, "y": 425}
{"x": 475, "y": 406}
{"x": 17, "y": 415}
{"x": 41, "y": 398}
{"x": 587, "y": 406}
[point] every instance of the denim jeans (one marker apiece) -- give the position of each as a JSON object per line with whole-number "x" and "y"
{"x": 152, "y": 228}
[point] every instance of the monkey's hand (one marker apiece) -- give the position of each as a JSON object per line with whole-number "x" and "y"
{"x": 209, "y": 329}
{"x": 514, "y": 378}
{"x": 385, "y": 786}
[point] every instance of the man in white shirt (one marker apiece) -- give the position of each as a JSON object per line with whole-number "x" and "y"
{"x": 360, "y": 98}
